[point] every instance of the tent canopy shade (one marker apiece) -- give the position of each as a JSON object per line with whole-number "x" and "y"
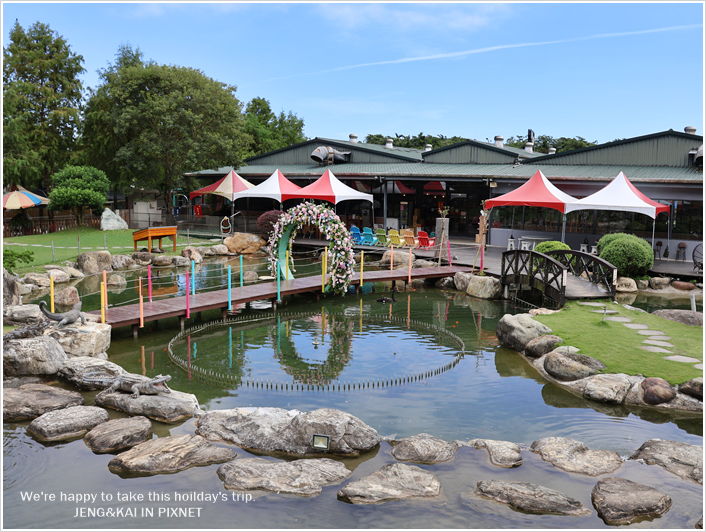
{"x": 329, "y": 188}
{"x": 537, "y": 192}
{"x": 229, "y": 187}
{"x": 276, "y": 187}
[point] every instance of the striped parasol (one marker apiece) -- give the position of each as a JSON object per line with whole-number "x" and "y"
{"x": 20, "y": 199}
{"x": 229, "y": 187}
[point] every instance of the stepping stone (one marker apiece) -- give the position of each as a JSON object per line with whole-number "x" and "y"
{"x": 699, "y": 366}
{"x": 590, "y": 304}
{"x": 661, "y": 338}
{"x": 651, "y": 333}
{"x": 657, "y": 342}
{"x": 606, "y": 311}
{"x": 636, "y": 326}
{"x": 654, "y": 349}
{"x": 618, "y": 318}
{"x": 681, "y": 358}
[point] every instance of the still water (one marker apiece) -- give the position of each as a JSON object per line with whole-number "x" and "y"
{"x": 490, "y": 393}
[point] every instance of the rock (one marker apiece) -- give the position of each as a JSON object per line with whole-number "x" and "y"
{"x": 67, "y": 423}
{"x": 657, "y": 391}
{"x": 117, "y": 280}
{"x": 74, "y": 273}
{"x": 162, "y": 260}
{"x": 687, "y": 317}
{"x": 574, "y": 457}
{"x": 75, "y": 368}
{"x": 517, "y": 331}
{"x": 170, "y": 455}
{"x": 80, "y": 340}
{"x": 40, "y": 355}
{"x": 571, "y": 367}
{"x": 303, "y": 477}
{"x": 445, "y": 283}
{"x": 541, "y": 311}
{"x": 288, "y": 431}
{"x": 461, "y": 280}
{"x": 484, "y": 287}
{"x": 59, "y": 276}
{"x": 38, "y": 279}
{"x": 393, "y": 482}
{"x": 18, "y": 382}
{"x": 111, "y": 221}
{"x": 167, "y": 408}
{"x": 192, "y": 253}
{"x": 422, "y": 263}
{"x": 642, "y": 284}
{"x": 700, "y": 523}
{"x": 67, "y": 297}
{"x": 694, "y": 388}
{"x": 25, "y": 289}
{"x": 32, "y": 400}
{"x": 143, "y": 258}
{"x": 121, "y": 262}
{"x": 95, "y": 262}
{"x": 22, "y": 315}
{"x": 119, "y": 434}
{"x": 220, "y": 249}
{"x": 682, "y": 459}
{"x": 626, "y": 284}
{"x": 530, "y": 498}
{"x": 26, "y": 331}
{"x": 423, "y": 448}
{"x": 607, "y": 388}
{"x": 658, "y": 283}
{"x": 502, "y": 453}
{"x": 180, "y": 261}
{"x": 683, "y": 285}
{"x": 10, "y": 289}
{"x": 250, "y": 276}
{"x": 244, "y": 243}
{"x": 541, "y": 345}
{"x": 620, "y": 501}
{"x": 401, "y": 257}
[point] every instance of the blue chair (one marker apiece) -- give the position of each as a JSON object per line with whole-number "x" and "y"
{"x": 355, "y": 235}
{"x": 369, "y": 238}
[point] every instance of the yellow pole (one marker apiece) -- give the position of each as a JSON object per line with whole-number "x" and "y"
{"x": 323, "y": 270}
{"x": 102, "y": 303}
{"x": 362, "y": 261}
{"x": 286, "y": 266}
{"x": 51, "y": 292}
{"x": 142, "y": 316}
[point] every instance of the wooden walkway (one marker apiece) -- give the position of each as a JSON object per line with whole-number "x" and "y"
{"x": 127, "y": 315}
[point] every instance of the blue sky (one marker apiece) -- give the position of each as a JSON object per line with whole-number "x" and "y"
{"x": 599, "y": 70}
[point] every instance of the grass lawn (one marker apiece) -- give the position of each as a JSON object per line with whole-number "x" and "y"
{"x": 618, "y": 347}
{"x": 7, "y": 328}
{"x": 66, "y": 245}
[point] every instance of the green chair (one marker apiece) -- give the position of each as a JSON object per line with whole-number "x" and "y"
{"x": 382, "y": 237}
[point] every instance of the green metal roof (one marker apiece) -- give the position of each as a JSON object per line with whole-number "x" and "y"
{"x": 490, "y": 146}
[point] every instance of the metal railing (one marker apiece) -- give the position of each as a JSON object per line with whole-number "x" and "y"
{"x": 596, "y": 270}
{"x": 536, "y": 270}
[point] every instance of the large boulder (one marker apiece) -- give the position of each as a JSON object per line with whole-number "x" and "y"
{"x": 179, "y": 261}
{"x": 276, "y": 430}
{"x": 121, "y": 262}
{"x": 304, "y": 477}
{"x": 95, "y": 262}
{"x": 76, "y": 368}
{"x": 612, "y": 388}
{"x": 80, "y": 340}
{"x": 119, "y": 434}
{"x": 502, "y": 453}
{"x": 111, "y": 221}
{"x": 484, "y": 287}
{"x": 518, "y": 330}
{"x": 220, "y": 249}
{"x": 657, "y": 391}
{"x": 541, "y": 345}
{"x": 573, "y": 456}
{"x": 530, "y": 498}
{"x": 59, "y": 276}
{"x": 683, "y": 285}
{"x": 399, "y": 258}
{"x": 424, "y": 449}
{"x": 571, "y": 366}
{"x": 168, "y": 408}
{"x": 10, "y": 289}
{"x": 620, "y": 501}
{"x": 461, "y": 280}
{"x": 162, "y": 260}
{"x": 22, "y": 315}
{"x": 40, "y": 355}
{"x": 393, "y": 482}
{"x": 67, "y": 297}
{"x": 694, "y": 388}
{"x": 142, "y": 258}
{"x": 68, "y": 423}
{"x": 170, "y": 455}
{"x": 687, "y": 317}
{"x": 445, "y": 283}
{"x": 626, "y": 284}
{"x": 244, "y": 243}
{"x": 37, "y": 279}
{"x": 192, "y": 253}
{"x": 32, "y": 400}
{"x": 658, "y": 283}
{"x": 682, "y": 459}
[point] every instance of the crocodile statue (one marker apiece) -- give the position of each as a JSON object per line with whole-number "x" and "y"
{"x": 130, "y": 382}
{"x": 64, "y": 318}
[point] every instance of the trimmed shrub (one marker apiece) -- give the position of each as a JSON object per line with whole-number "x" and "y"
{"x": 550, "y": 245}
{"x": 607, "y": 239}
{"x": 631, "y": 255}
{"x": 267, "y": 221}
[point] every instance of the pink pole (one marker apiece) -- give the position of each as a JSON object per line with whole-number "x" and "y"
{"x": 149, "y": 281}
{"x": 481, "y": 253}
{"x": 449, "y": 246}
{"x": 187, "y": 295}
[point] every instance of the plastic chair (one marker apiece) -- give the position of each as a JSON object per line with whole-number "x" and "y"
{"x": 658, "y": 249}
{"x": 681, "y": 250}
{"x": 368, "y": 238}
{"x": 382, "y": 237}
{"x": 425, "y": 242}
{"x": 409, "y": 240}
{"x": 355, "y": 235}
{"x": 394, "y": 238}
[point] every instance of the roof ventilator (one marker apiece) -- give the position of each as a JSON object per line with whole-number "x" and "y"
{"x": 327, "y": 156}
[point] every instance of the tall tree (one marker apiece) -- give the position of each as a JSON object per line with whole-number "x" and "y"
{"x": 419, "y": 141}
{"x": 76, "y": 187}
{"x": 270, "y": 131}
{"x": 41, "y": 104}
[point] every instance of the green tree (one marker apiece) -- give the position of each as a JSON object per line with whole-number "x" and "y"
{"x": 270, "y": 131}
{"x": 77, "y": 187}
{"x": 418, "y": 142}
{"x": 542, "y": 143}
{"x": 41, "y": 104}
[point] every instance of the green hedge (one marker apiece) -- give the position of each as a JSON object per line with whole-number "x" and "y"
{"x": 550, "y": 245}
{"x": 631, "y": 255}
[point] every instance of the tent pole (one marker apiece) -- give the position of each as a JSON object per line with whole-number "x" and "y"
{"x": 384, "y": 205}
{"x": 248, "y": 216}
{"x": 512, "y": 223}
{"x": 653, "y": 230}
{"x": 563, "y": 228}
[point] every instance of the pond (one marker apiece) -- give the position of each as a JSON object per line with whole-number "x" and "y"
{"x": 486, "y": 391}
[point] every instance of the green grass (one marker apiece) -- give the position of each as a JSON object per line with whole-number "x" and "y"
{"x": 618, "y": 347}
{"x": 66, "y": 245}
{"x": 7, "y": 328}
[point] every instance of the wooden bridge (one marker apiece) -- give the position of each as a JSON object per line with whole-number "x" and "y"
{"x": 548, "y": 272}
{"x": 127, "y": 315}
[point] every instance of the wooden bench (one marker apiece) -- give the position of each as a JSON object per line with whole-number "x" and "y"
{"x": 154, "y": 232}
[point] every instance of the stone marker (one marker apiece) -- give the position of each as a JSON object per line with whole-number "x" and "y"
{"x": 620, "y": 501}
{"x": 119, "y": 434}
{"x": 682, "y": 459}
{"x": 392, "y": 482}
{"x": 530, "y": 498}
{"x": 423, "y": 448}
{"x": 67, "y": 423}
{"x": 573, "y": 456}
{"x": 32, "y": 400}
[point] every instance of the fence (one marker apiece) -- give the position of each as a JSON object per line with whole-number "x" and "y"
{"x": 44, "y": 225}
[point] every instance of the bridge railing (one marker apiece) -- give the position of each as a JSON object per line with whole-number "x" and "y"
{"x": 536, "y": 270}
{"x": 596, "y": 270}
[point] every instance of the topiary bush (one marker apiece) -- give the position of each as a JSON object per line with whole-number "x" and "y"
{"x": 550, "y": 245}
{"x": 607, "y": 239}
{"x": 631, "y": 255}
{"x": 267, "y": 221}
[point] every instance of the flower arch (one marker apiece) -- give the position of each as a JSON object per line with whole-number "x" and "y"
{"x": 341, "y": 250}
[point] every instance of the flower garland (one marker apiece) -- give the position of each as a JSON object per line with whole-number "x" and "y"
{"x": 340, "y": 251}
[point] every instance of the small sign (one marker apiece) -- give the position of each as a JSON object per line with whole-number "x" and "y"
{"x": 615, "y": 276}
{"x": 563, "y": 278}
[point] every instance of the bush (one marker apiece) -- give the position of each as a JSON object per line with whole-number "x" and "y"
{"x": 10, "y": 258}
{"x": 607, "y": 239}
{"x": 267, "y": 220}
{"x": 631, "y": 255}
{"x": 551, "y": 245}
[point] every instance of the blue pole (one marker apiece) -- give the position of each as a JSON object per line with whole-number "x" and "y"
{"x": 230, "y": 300}
{"x": 193, "y": 277}
{"x": 241, "y": 271}
{"x": 278, "y": 282}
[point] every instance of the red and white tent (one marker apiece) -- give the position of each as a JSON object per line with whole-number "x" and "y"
{"x": 329, "y": 188}
{"x": 276, "y": 187}
{"x": 228, "y": 187}
{"x": 537, "y": 192}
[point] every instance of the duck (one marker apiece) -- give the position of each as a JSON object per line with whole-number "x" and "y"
{"x": 385, "y": 299}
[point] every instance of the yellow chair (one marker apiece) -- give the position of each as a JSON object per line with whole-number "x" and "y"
{"x": 394, "y": 237}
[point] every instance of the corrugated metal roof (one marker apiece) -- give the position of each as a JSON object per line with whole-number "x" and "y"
{"x": 395, "y": 150}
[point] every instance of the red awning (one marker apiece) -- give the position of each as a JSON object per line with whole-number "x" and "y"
{"x": 537, "y": 192}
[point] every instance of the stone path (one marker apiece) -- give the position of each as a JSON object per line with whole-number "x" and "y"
{"x": 656, "y": 341}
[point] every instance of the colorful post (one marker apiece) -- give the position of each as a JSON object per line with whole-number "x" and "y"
{"x": 149, "y": 281}
{"x": 362, "y": 261}
{"x": 409, "y": 270}
{"x": 230, "y": 299}
{"x": 392, "y": 256}
{"x": 323, "y": 270}
{"x": 187, "y": 295}
{"x": 241, "y": 271}
{"x": 51, "y": 293}
{"x": 193, "y": 277}
{"x": 286, "y": 265}
{"x": 278, "y": 283}
{"x": 102, "y": 302}
{"x": 142, "y": 315}
{"x": 448, "y": 244}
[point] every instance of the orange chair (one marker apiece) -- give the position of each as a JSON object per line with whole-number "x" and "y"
{"x": 425, "y": 242}
{"x": 409, "y": 240}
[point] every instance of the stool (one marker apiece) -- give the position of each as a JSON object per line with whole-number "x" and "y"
{"x": 681, "y": 250}
{"x": 658, "y": 249}
{"x": 594, "y": 250}
{"x": 510, "y": 244}
{"x": 525, "y": 245}
{"x": 584, "y": 248}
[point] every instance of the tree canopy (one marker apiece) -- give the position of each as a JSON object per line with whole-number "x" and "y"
{"x": 41, "y": 104}
{"x": 419, "y": 141}
{"x": 542, "y": 143}
{"x": 76, "y": 187}
{"x": 269, "y": 131}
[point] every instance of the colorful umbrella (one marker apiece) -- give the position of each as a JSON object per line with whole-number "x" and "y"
{"x": 229, "y": 187}
{"x": 19, "y": 199}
